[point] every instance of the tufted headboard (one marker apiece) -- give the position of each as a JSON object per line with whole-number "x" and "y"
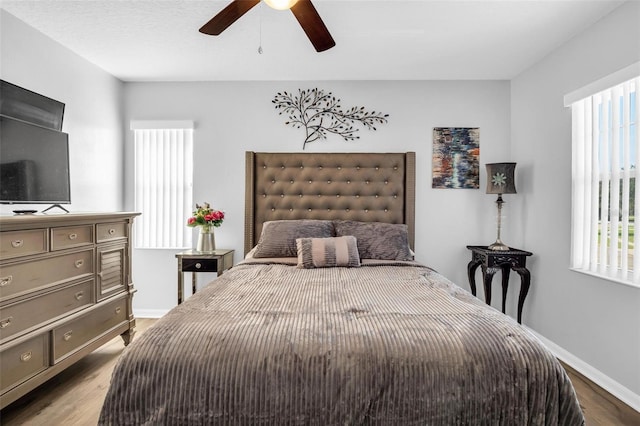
{"x": 368, "y": 187}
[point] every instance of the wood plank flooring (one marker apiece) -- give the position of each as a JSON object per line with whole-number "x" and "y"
{"x": 75, "y": 396}
{"x": 600, "y": 407}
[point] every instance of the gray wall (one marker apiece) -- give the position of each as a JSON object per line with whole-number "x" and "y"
{"x": 594, "y": 319}
{"x": 234, "y": 117}
{"x": 93, "y": 112}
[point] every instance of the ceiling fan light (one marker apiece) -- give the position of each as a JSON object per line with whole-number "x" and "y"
{"x": 281, "y": 4}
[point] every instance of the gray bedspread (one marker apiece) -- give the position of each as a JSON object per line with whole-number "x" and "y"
{"x": 391, "y": 344}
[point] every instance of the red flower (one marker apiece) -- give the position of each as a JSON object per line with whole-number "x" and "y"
{"x": 205, "y": 216}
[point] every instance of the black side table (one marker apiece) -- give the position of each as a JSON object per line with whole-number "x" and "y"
{"x": 494, "y": 260}
{"x": 200, "y": 261}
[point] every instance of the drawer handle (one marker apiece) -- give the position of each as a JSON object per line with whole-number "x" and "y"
{"x": 79, "y": 263}
{"x": 79, "y": 295}
{"x": 17, "y": 243}
{"x": 67, "y": 335}
{"x": 5, "y": 322}
{"x": 73, "y": 236}
{"x": 112, "y": 231}
{"x": 198, "y": 265}
{"x": 25, "y": 357}
{"x": 118, "y": 309}
{"x": 4, "y": 281}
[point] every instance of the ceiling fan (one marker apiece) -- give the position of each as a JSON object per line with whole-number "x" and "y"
{"x": 303, "y": 10}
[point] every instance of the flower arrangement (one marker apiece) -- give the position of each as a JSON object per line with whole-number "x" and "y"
{"x": 206, "y": 217}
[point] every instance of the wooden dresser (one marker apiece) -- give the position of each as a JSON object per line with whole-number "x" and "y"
{"x": 65, "y": 290}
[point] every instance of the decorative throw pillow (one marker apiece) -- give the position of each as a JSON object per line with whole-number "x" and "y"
{"x": 278, "y": 237}
{"x": 328, "y": 252}
{"x": 377, "y": 240}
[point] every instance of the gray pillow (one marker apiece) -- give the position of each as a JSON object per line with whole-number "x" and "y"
{"x": 278, "y": 237}
{"x": 328, "y": 252}
{"x": 377, "y": 240}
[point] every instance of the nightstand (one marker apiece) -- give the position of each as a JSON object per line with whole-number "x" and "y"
{"x": 493, "y": 261}
{"x": 198, "y": 261}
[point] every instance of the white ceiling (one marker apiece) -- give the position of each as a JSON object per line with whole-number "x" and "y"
{"x": 144, "y": 40}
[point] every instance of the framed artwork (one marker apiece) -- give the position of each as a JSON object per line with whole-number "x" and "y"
{"x": 456, "y": 157}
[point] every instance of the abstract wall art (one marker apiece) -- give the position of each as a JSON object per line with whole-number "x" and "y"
{"x": 455, "y": 161}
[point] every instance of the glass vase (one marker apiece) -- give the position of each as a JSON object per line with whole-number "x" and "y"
{"x": 206, "y": 239}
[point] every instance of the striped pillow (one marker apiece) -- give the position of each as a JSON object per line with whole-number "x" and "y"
{"x": 327, "y": 252}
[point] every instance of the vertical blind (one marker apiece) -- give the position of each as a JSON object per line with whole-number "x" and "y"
{"x": 606, "y": 156}
{"x": 163, "y": 183}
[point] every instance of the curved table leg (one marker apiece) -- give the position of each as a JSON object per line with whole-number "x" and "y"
{"x": 525, "y": 282}
{"x": 506, "y": 269}
{"x": 471, "y": 274}
{"x": 488, "y": 277}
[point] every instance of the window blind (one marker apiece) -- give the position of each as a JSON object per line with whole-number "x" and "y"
{"x": 163, "y": 183}
{"x": 606, "y": 156}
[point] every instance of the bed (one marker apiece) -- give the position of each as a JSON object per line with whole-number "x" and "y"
{"x": 330, "y": 321}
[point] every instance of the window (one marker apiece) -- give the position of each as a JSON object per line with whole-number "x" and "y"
{"x": 163, "y": 183}
{"x": 606, "y": 157}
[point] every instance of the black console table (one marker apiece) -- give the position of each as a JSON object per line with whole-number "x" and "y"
{"x": 493, "y": 261}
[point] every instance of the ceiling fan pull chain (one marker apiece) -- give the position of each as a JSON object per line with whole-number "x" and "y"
{"x": 260, "y": 29}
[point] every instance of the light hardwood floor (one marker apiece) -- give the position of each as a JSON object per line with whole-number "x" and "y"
{"x": 75, "y": 396}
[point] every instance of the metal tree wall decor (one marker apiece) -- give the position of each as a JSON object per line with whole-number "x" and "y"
{"x": 320, "y": 113}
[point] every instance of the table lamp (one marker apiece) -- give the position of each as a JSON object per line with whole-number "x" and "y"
{"x": 500, "y": 180}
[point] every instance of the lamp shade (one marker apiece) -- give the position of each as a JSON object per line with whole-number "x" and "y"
{"x": 500, "y": 178}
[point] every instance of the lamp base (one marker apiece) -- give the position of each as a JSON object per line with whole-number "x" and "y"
{"x": 499, "y": 246}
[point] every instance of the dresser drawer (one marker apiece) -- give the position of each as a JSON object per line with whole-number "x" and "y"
{"x": 71, "y": 236}
{"x": 22, "y": 243}
{"x": 74, "y": 335}
{"x": 22, "y": 278}
{"x": 24, "y": 360}
{"x": 29, "y": 313}
{"x": 111, "y": 231}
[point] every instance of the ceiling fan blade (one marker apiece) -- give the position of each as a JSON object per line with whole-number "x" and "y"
{"x": 312, "y": 24}
{"x": 227, "y": 16}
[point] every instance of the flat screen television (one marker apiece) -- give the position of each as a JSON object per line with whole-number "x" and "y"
{"x": 18, "y": 102}
{"x": 34, "y": 164}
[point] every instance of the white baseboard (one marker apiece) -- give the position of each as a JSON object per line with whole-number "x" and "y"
{"x": 149, "y": 313}
{"x": 621, "y": 392}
